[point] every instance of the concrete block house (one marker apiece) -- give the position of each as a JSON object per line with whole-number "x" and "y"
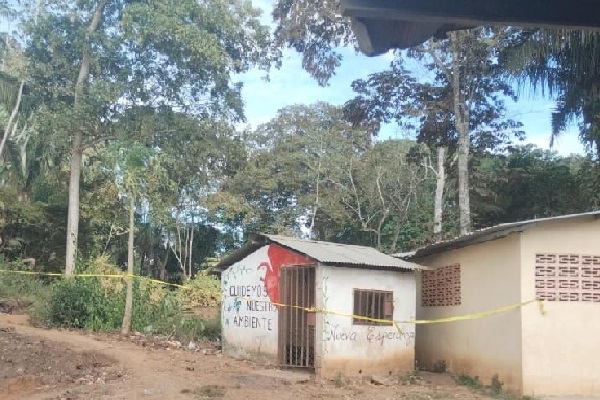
{"x": 556, "y": 260}
{"x": 273, "y": 284}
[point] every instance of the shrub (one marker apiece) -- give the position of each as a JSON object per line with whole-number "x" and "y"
{"x": 24, "y": 290}
{"x": 466, "y": 380}
{"x": 201, "y": 291}
{"x": 190, "y": 327}
{"x": 97, "y": 304}
{"x": 82, "y": 303}
{"x": 496, "y": 385}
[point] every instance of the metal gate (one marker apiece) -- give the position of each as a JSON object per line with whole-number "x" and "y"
{"x": 297, "y": 326}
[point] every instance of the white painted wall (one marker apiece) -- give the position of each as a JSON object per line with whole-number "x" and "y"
{"x": 359, "y": 349}
{"x": 249, "y": 326}
{"x": 560, "y": 348}
{"x": 484, "y": 347}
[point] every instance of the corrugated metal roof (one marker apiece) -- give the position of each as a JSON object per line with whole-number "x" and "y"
{"x": 324, "y": 252}
{"x": 486, "y": 234}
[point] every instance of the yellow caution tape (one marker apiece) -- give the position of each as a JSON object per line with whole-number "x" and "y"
{"x": 466, "y": 317}
{"x": 113, "y": 276}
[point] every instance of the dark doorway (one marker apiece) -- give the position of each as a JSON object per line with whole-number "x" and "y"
{"x": 296, "y": 325}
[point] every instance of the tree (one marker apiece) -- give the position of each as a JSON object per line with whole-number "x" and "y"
{"x": 461, "y": 107}
{"x": 312, "y": 173}
{"x": 464, "y": 63}
{"x": 382, "y": 190}
{"x": 529, "y": 182}
{"x": 564, "y": 64}
{"x": 93, "y": 60}
{"x": 287, "y": 181}
{"x": 316, "y": 29}
{"x": 134, "y": 170}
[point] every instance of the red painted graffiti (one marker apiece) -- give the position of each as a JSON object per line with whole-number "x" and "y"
{"x": 279, "y": 256}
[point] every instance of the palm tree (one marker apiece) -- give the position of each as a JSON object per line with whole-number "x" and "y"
{"x": 566, "y": 65}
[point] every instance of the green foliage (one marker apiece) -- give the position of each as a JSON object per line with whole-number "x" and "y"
{"x": 410, "y": 378}
{"x": 25, "y": 290}
{"x": 470, "y": 381}
{"x": 25, "y": 228}
{"x": 201, "y": 291}
{"x": 187, "y": 327}
{"x": 97, "y": 304}
{"x": 210, "y": 392}
{"x": 565, "y": 64}
{"x": 533, "y": 183}
{"x": 80, "y": 303}
{"x": 317, "y": 30}
{"x": 496, "y": 385}
{"x": 339, "y": 380}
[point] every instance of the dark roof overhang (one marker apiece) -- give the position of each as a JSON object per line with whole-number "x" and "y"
{"x": 381, "y": 25}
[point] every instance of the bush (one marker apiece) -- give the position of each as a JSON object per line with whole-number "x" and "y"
{"x": 97, "y": 304}
{"x": 26, "y": 291}
{"x": 496, "y": 385}
{"x": 202, "y": 291}
{"x": 82, "y": 303}
{"x": 466, "y": 380}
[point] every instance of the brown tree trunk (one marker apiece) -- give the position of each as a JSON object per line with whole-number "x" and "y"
{"x": 127, "y": 314}
{"x": 77, "y": 151}
{"x": 440, "y": 183}
{"x": 163, "y": 266}
{"x": 462, "y": 124}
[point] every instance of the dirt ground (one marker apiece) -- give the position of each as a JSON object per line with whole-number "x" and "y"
{"x": 41, "y": 364}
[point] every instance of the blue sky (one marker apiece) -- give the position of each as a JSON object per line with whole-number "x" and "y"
{"x": 292, "y": 85}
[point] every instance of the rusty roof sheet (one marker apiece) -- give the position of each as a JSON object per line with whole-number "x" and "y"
{"x": 324, "y": 252}
{"x": 487, "y": 234}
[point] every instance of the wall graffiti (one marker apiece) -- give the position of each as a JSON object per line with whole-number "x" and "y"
{"x": 246, "y": 321}
{"x": 251, "y": 287}
{"x": 336, "y": 333}
{"x": 278, "y": 256}
{"x": 377, "y": 336}
{"x": 373, "y": 335}
{"x": 253, "y": 291}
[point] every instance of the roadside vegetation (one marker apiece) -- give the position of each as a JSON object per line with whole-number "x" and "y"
{"x": 97, "y": 303}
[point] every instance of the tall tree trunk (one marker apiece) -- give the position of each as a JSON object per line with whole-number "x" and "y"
{"x": 461, "y": 121}
{"x": 127, "y": 314}
{"x": 8, "y": 129}
{"x": 163, "y": 266}
{"x": 440, "y": 183}
{"x": 77, "y": 150}
{"x": 73, "y": 208}
{"x": 191, "y": 246}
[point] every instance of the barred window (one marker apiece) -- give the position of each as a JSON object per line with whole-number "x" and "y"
{"x": 374, "y": 304}
{"x": 441, "y": 287}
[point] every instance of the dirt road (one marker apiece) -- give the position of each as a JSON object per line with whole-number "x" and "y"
{"x": 41, "y": 364}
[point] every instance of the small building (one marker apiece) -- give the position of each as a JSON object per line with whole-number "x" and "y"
{"x": 556, "y": 260}
{"x": 297, "y": 303}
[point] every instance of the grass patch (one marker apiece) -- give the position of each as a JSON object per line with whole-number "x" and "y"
{"x": 339, "y": 380}
{"x": 409, "y": 378}
{"x": 23, "y": 292}
{"x": 210, "y": 392}
{"x": 470, "y": 381}
{"x": 494, "y": 389}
